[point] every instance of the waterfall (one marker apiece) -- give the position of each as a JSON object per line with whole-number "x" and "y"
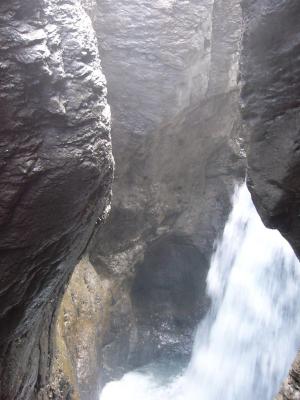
{"x": 246, "y": 343}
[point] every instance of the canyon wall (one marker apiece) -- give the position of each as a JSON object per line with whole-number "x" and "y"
{"x": 139, "y": 291}
{"x": 172, "y": 69}
{"x": 270, "y": 68}
{"x": 55, "y": 177}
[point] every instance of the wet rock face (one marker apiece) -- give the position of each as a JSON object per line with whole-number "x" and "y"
{"x": 175, "y": 131}
{"x": 270, "y": 70}
{"x": 80, "y": 329}
{"x": 168, "y": 296}
{"x": 55, "y": 174}
{"x": 290, "y": 388}
{"x": 163, "y": 53}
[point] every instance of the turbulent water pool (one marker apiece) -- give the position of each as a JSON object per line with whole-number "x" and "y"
{"x": 244, "y": 346}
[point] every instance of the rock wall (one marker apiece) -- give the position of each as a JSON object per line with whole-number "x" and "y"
{"x": 270, "y": 68}
{"x": 271, "y": 102}
{"x": 175, "y": 132}
{"x": 171, "y": 68}
{"x": 290, "y": 389}
{"x": 55, "y": 176}
{"x": 81, "y": 325}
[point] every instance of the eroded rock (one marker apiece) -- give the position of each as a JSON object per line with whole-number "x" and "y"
{"x": 270, "y": 67}
{"x": 271, "y": 101}
{"x": 82, "y": 322}
{"x": 168, "y": 296}
{"x": 55, "y": 175}
{"x": 176, "y": 129}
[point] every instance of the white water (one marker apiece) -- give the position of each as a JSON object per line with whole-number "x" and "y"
{"x": 246, "y": 343}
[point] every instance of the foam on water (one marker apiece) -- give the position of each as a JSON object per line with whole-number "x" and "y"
{"x": 246, "y": 343}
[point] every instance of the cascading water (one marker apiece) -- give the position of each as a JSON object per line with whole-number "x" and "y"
{"x": 246, "y": 343}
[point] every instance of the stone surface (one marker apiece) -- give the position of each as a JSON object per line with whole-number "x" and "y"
{"x": 168, "y": 296}
{"x": 270, "y": 101}
{"x": 172, "y": 68}
{"x": 95, "y": 306}
{"x": 176, "y": 129}
{"x": 55, "y": 175}
{"x": 290, "y": 389}
{"x": 175, "y": 133}
{"x": 82, "y": 322}
{"x": 270, "y": 70}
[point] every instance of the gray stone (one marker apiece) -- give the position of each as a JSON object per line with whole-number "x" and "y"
{"x": 55, "y": 175}
{"x": 176, "y": 129}
{"x": 270, "y": 71}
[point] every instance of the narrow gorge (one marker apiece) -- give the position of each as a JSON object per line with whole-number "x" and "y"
{"x": 135, "y": 262}
{"x": 249, "y": 296}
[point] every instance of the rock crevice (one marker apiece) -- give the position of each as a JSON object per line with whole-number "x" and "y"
{"x": 176, "y": 128}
